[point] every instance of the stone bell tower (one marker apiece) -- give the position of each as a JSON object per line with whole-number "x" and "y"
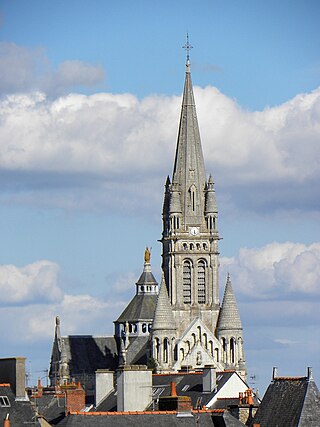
{"x": 190, "y": 235}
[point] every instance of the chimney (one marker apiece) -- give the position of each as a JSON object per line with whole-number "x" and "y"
{"x": 248, "y": 397}
{"x": 134, "y": 388}
{"x": 103, "y": 384}
{"x": 75, "y": 397}
{"x": 173, "y": 389}
{"x": 13, "y": 371}
{"x": 6, "y": 421}
{"x": 181, "y": 404}
{"x": 209, "y": 379}
{"x": 39, "y": 388}
{"x": 309, "y": 374}
{"x": 274, "y": 372}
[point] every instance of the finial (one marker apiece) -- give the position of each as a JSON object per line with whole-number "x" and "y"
{"x": 147, "y": 255}
{"x": 187, "y": 48}
{"x": 228, "y": 277}
{"x": 57, "y": 321}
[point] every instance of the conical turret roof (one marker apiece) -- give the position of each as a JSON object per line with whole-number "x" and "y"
{"x": 163, "y": 316}
{"x": 229, "y": 317}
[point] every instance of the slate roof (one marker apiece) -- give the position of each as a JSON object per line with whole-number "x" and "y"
{"x": 20, "y": 412}
{"x": 290, "y": 402}
{"x": 50, "y": 407}
{"x": 141, "y": 307}
{"x": 86, "y": 353}
{"x": 163, "y": 316}
{"x": 163, "y": 419}
{"x": 188, "y": 384}
{"x": 229, "y": 318}
{"x": 147, "y": 278}
{"x": 137, "y": 350}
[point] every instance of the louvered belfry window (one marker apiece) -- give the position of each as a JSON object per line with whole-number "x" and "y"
{"x": 187, "y": 282}
{"x": 201, "y": 282}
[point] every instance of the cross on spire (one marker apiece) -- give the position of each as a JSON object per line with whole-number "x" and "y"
{"x": 187, "y": 48}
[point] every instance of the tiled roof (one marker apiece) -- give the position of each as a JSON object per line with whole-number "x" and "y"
{"x": 156, "y": 419}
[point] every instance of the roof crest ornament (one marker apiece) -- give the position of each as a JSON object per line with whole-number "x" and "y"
{"x": 187, "y": 48}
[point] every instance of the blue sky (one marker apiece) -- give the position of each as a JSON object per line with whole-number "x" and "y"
{"x": 90, "y": 98}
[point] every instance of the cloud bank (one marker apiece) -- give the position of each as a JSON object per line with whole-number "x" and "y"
{"x": 276, "y": 271}
{"x": 83, "y": 151}
{"x": 117, "y": 144}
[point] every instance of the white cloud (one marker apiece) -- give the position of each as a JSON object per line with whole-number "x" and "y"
{"x": 34, "y": 282}
{"x": 24, "y": 69}
{"x": 116, "y": 144}
{"x": 32, "y": 297}
{"x": 276, "y": 270}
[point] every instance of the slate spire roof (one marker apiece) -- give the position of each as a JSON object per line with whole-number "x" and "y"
{"x": 142, "y": 306}
{"x": 163, "y": 316}
{"x": 189, "y": 170}
{"x": 229, "y": 318}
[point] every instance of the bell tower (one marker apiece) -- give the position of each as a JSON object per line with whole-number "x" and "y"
{"x": 190, "y": 236}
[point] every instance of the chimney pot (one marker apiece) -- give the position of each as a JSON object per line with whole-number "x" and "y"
{"x": 274, "y": 372}
{"x": 173, "y": 388}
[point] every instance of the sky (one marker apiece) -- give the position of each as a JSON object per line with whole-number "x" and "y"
{"x": 90, "y": 96}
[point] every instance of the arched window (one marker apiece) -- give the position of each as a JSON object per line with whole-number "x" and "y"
{"x": 205, "y": 340}
{"x": 217, "y": 354}
{"x": 165, "y": 350}
{"x": 201, "y": 282}
{"x": 187, "y": 282}
{"x": 224, "y": 349}
{"x": 193, "y": 197}
{"x": 144, "y": 328}
{"x": 211, "y": 347}
{"x": 182, "y": 353}
{"x": 194, "y": 339}
{"x": 232, "y": 349}
{"x": 199, "y": 333}
{"x": 157, "y": 348}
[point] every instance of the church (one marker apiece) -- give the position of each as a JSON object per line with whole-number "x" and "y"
{"x": 179, "y": 325}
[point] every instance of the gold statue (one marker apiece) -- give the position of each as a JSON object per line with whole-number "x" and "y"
{"x": 147, "y": 255}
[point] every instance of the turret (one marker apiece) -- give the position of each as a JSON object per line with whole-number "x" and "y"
{"x": 229, "y": 332}
{"x": 163, "y": 331}
{"x": 211, "y": 210}
{"x": 137, "y": 317}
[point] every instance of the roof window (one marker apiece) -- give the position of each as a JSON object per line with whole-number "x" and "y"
{"x": 4, "y": 401}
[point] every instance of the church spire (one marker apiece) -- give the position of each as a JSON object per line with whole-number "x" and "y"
{"x": 189, "y": 171}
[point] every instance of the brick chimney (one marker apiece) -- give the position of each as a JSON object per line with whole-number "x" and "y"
{"x": 39, "y": 389}
{"x": 75, "y": 397}
{"x": 181, "y": 404}
{"x": 6, "y": 421}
